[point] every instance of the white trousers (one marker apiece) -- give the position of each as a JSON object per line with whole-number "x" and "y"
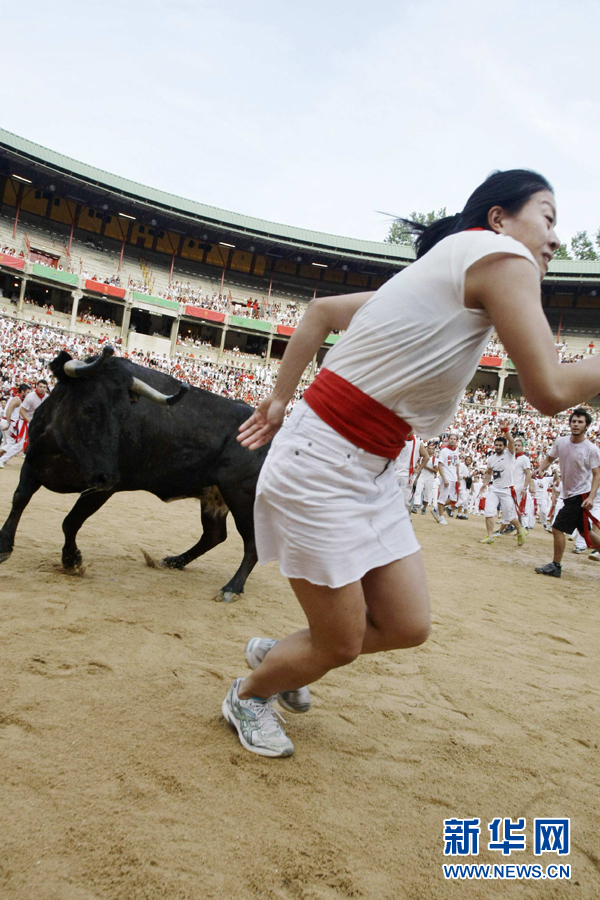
{"x": 11, "y": 448}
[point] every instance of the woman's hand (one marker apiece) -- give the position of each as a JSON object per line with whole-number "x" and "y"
{"x": 263, "y": 424}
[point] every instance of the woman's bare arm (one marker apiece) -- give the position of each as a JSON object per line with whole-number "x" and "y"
{"x": 323, "y": 315}
{"x": 508, "y": 288}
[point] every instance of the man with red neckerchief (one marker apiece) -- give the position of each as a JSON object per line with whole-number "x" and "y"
{"x": 29, "y": 405}
{"x": 523, "y": 484}
{"x": 500, "y": 476}
{"x": 448, "y": 463}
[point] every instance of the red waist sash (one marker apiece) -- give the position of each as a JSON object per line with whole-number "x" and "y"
{"x": 357, "y": 417}
{"x": 587, "y": 518}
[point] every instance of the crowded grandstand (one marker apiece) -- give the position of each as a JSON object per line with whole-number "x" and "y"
{"x": 212, "y": 297}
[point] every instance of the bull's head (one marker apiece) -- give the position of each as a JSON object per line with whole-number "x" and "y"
{"x": 90, "y": 408}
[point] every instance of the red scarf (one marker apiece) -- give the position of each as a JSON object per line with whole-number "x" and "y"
{"x": 587, "y": 518}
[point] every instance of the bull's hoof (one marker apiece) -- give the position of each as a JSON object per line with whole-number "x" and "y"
{"x": 172, "y": 562}
{"x": 72, "y": 561}
{"x": 77, "y": 571}
{"x": 4, "y": 554}
{"x": 226, "y": 597}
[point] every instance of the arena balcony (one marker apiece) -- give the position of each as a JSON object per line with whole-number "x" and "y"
{"x": 93, "y": 252}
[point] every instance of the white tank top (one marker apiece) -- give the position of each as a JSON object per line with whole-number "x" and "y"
{"x": 414, "y": 346}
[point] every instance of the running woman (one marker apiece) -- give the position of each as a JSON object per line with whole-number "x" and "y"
{"x": 580, "y": 475}
{"x": 328, "y": 506}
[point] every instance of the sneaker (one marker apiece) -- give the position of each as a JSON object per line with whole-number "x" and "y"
{"x": 486, "y": 540}
{"x": 595, "y": 555}
{"x": 413, "y": 509}
{"x": 521, "y": 538}
{"x": 508, "y": 530}
{"x": 423, "y": 511}
{"x": 256, "y": 723}
{"x": 554, "y": 570}
{"x": 578, "y": 549}
{"x": 294, "y": 701}
{"x": 442, "y": 520}
{"x": 436, "y": 515}
{"x": 449, "y": 510}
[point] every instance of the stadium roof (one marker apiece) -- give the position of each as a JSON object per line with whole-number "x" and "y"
{"x": 31, "y": 153}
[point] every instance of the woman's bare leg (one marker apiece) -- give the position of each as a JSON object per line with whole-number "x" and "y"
{"x": 388, "y": 610}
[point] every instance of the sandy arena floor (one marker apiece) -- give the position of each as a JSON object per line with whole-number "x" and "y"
{"x": 119, "y": 780}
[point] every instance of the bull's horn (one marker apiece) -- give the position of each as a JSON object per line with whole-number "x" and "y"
{"x": 144, "y": 390}
{"x": 76, "y": 368}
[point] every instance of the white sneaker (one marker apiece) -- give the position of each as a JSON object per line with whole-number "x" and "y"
{"x": 298, "y": 701}
{"x": 595, "y": 555}
{"x": 256, "y": 723}
{"x": 443, "y": 520}
{"x": 436, "y": 515}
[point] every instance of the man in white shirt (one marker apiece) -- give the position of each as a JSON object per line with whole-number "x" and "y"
{"x": 523, "y": 484}
{"x": 542, "y": 485}
{"x": 580, "y": 474}
{"x": 500, "y": 477}
{"x": 464, "y": 487}
{"x": 11, "y": 422}
{"x": 448, "y": 460}
{"x": 26, "y": 411}
{"x": 408, "y": 464}
{"x": 425, "y": 484}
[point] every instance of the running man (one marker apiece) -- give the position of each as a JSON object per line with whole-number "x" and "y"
{"x": 448, "y": 462}
{"x": 579, "y": 461}
{"x": 425, "y": 483}
{"x": 13, "y": 426}
{"x": 523, "y": 483}
{"x": 500, "y": 477}
{"x": 465, "y": 484}
{"x": 408, "y": 465}
{"x": 542, "y": 484}
{"x": 26, "y": 410}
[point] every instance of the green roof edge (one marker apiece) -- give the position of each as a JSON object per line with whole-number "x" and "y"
{"x": 135, "y": 190}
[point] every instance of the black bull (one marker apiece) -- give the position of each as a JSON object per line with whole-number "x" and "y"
{"x": 110, "y": 425}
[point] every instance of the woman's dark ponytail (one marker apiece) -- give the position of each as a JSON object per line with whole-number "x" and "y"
{"x": 511, "y": 190}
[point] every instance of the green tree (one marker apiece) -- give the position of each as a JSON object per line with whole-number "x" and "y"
{"x": 582, "y": 247}
{"x": 562, "y": 253}
{"x": 598, "y": 239}
{"x": 399, "y": 234}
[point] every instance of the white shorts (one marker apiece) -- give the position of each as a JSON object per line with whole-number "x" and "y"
{"x": 463, "y": 497}
{"x": 326, "y": 510}
{"x": 447, "y": 493}
{"x": 425, "y": 483}
{"x": 507, "y": 505}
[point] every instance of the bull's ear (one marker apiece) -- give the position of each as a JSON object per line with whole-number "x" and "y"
{"x": 57, "y": 365}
